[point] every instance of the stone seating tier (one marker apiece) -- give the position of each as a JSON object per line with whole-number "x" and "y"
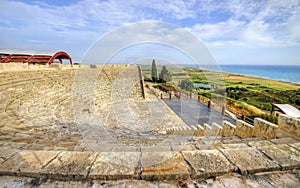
{"x": 39, "y": 109}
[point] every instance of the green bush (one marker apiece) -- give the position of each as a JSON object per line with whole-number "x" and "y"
{"x": 297, "y": 101}
{"x": 267, "y": 117}
{"x": 205, "y": 94}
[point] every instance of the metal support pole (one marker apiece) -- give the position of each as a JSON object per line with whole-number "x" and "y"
{"x": 209, "y": 104}
{"x": 223, "y": 110}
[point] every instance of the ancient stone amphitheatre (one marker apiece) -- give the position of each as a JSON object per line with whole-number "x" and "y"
{"x": 91, "y": 123}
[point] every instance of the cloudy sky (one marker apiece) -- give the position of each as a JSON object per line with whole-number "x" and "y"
{"x": 235, "y": 31}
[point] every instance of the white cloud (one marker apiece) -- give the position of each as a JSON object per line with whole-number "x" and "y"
{"x": 265, "y": 24}
{"x": 228, "y": 23}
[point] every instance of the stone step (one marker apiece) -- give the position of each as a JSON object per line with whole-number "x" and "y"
{"x": 168, "y": 165}
{"x": 261, "y": 129}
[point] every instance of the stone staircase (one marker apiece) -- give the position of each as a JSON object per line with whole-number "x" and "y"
{"x": 287, "y": 127}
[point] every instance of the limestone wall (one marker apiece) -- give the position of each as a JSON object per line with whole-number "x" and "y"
{"x": 289, "y": 124}
{"x": 264, "y": 129}
{"x": 243, "y": 129}
{"x": 228, "y": 129}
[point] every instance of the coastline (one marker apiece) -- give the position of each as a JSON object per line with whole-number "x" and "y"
{"x": 284, "y": 73}
{"x": 254, "y": 78}
{"x": 233, "y": 80}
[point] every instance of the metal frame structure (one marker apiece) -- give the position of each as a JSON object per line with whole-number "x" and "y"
{"x": 32, "y": 57}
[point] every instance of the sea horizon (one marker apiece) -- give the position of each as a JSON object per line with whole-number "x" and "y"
{"x": 284, "y": 73}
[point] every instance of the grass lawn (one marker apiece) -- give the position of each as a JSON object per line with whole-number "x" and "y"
{"x": 258, "y": 92}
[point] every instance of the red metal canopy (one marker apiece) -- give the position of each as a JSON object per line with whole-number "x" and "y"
{"x": 32, "y": 57}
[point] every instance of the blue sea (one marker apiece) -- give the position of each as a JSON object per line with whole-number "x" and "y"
{"x": 287, "y": 73}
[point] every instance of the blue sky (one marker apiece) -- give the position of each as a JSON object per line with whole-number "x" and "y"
{"x": 235, "y": 31}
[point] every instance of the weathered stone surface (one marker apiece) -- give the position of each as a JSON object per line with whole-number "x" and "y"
{"x": 70, "y": 165}
{"x": 250, "y": 160}
{"x": 163, "y": 166}
{"x": 126, "y": 149}
{"x": 206, "y": 147}
{"x": 115, "y": 165}
{"x": 296, "y": 145}
{"x": 260, "y": 143}
{"x": 240, "y": 181}
{"x": 212, "y": 130}
{"x": 26, "y": 182}
{"x": 228, "y": 129}
{"x": 6, "y": 153}
{"x": 264, "y": 129}
{"x": 231, "y": 140}
{"x": 128, "y": 183}
{"x": 207, "y": 163}
{"x": 27, "y": 163}
{"x": 290, "y": 125}
{"x": 237, "y": 145}
{"x": 156, "y": 149}
{"x": 183, "y": 147}
{"x": 275, "y": 179}
{"x": 286, "y": 156}
{"x": 243, "y": 129}
{"x": 284, "y": 141}
{"x": 284, "y": 179}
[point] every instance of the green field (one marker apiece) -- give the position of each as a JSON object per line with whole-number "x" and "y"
{"x": 241, "y": 90}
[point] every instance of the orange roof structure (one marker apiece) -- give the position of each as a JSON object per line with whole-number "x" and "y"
{"x": 32, "y": 56}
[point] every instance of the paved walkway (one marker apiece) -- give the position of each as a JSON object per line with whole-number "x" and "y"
{"x": 193, "y": 112}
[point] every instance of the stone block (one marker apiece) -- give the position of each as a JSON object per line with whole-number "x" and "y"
{"x": 240, "y": 181}
{"x": 6, "y": 153}
{"x": 115, "y": 165}
{"x": 284, "y": 141}
{"x": 290, "y": 125}
{"x": 156, "y": 148}
{"x": 228, "y": 129}
{"x": 70, "y": 165}
{"x": 183, "y": 147}
{"x": 231, "y": 140}
{"x": 200, "y": 131}
{"x": 125, "y": 149}
{"x": 208, "y": 146}
{"x": 280, "y": 179}
{"x": 236, "y": 145}
{"x": 296, "y": 145}
{"x": 207, "y": 163}
{"x": 287, "y": 157}
{"x": 250, "y": 160}
{"x": 27, "y": 163}
{"x": 243, "y": 129}
{"x": 253, "y": 139}
{"x": 260, "y": 143}
{"x": 163, "y": 166}
{"x": 212, "y": 130}
{"x": 264, "y": 129}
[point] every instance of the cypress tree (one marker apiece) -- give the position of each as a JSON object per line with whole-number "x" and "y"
{"x": 153, "y": 71}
